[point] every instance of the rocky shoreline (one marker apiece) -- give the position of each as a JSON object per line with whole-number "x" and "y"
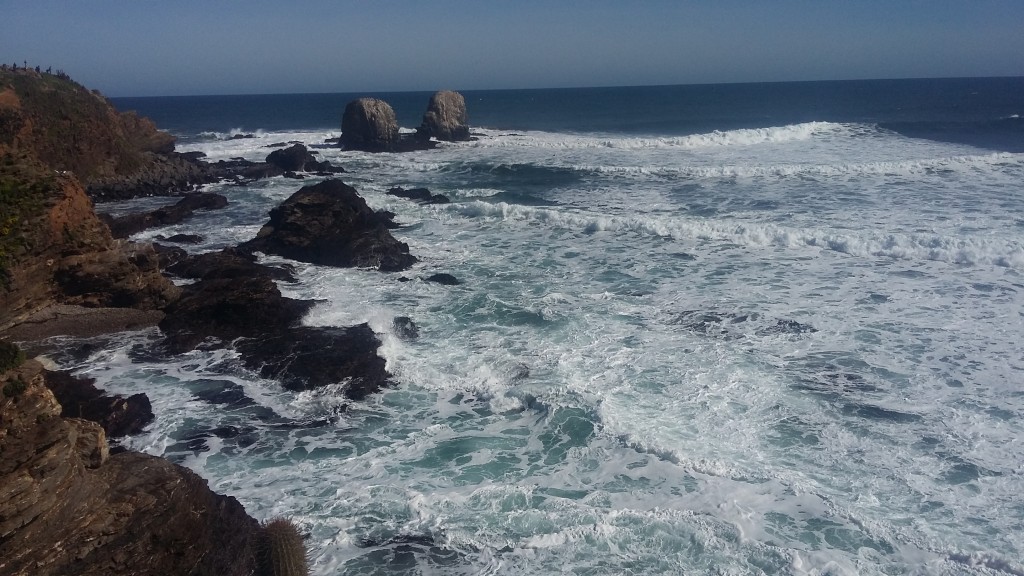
{"x": 66, "y": 504}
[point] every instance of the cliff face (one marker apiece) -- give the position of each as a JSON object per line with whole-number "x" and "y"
{"x": 53, "y": 248}
{"x": 68, "y": 507}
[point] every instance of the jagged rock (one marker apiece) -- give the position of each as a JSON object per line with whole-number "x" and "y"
{"x": 69, "y": 507}
{"x": 421, "y": 195}
{"x": 181, "y": 239}
{"x": 369, "y": 124}
{"x": 329, "y": 223}
{"x": 230, "y": 308}
{"x": 125, "y": 226}
{"x": 445, "y": 118}
{"x": 228, "y": 263}
{"x": 79, "y": 398}
{"x": 294, "y": 158}
{"x": 127, "y": 276}
{"x": 405, "y": 328}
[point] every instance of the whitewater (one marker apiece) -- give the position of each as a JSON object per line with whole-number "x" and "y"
{"x": 789, "y": 349}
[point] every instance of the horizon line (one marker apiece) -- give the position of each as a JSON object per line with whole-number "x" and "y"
{"x": 575, "y": 87}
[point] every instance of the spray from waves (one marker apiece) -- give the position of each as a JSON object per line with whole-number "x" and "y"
{"x": 895, "y": 168}
{"x": 740, "y": 137}
{"x": 936, "y": 247}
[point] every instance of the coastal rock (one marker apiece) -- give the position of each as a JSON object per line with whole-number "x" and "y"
{"x": 125, "y": 226}
{"x": 229, "y": 308}
{"x": 369, "y": 124}
{"x": 58, "y": 251}
{"x": 69, "y": 507}
{"x": 181, "y": 239}
{"x": 228, "y": 263}
{"x": 79, "y": 398}
{"x": 330, "y": 224}
{"x": 295, "y": 158}
{"x": 446, "y": 118}
{"x": 405, "y": 328}
{"x": 421, "y": 195}
{"x": 443, "y": 278}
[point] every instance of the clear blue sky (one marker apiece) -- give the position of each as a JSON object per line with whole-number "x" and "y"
{"x": 146, "y": 47}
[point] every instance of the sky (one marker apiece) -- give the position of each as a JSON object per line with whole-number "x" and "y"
{"x": 184, "y": 47}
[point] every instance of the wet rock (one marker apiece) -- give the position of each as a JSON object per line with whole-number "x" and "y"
{"x": 181, "y": 238}
{"x": 421, "y": 195}
{"x": 445, "y": 118}
{"x": 79, "y": 398}
{"x": 228, "y": 263}
{"x": 330, "y": 224}
{"x": 783, "y": 326}
{"x": 125, "y": 226}
{"x": 296, "y": 158}
{"x": 127, "y": 276}
{"x": 405, "y": 328}
{"x": 443, "y": 278}
{"x": 306, "y": 357}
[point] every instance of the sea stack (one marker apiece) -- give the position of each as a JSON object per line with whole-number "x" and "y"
{"x": 445, "y": 118}
{"x": 369, "y": 124}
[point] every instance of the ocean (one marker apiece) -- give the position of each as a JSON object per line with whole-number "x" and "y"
{"x": 724, "y": 329}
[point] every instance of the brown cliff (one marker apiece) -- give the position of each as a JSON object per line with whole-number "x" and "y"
{"x": 68, "y": 507}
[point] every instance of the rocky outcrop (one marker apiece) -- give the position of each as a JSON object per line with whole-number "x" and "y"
{"x": 161, "y": 175}
{"x": 445, "y": 118}
{"x": 68, "y": 507}
{"x": 228, "y": 263}
{"x": 79, "y": 398}
{"x": 369, "y": 124}
{"x": 248, "y": 312}
{"x": 298, "y": 158}
{"x": 53, "y": 249}
{"x": 125, "y": 226}
{"x": 421, "y": 195}
{"x": 329, "y": 223}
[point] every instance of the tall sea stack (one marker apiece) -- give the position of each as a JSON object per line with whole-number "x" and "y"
{"x": 445, "y": 118}
{"x": 369, "y": 124}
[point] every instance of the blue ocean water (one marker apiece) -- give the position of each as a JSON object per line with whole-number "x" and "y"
{"x": 738, "y": 329}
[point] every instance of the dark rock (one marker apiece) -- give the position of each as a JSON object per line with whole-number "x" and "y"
{"x": 229, "y": 308}
{"x": 168, "y": 255}
{"x": 329, "y": 223}
{"x": 787, "y": 327}
{"x": 228, "y": 263}
{"x": 306, "y": 357}
{"x": 442, "y": 278}
{"x": 292, "y": 159}
{"x": 241, "y": 136}
{"x": 79, "y": 398}
{"x": 181, "y": 239}
{"x": 405, "y": 328}
{"x": 161, "y": 175}
{"x": 445, "y": 118}
{"x": 369, "y": 124}
{"x": 192, "y": 156}
{"x": 419, "y": 194}
{"x": 293, "y": 175}
{"x": 125, "y": 226}
{"x": 276, "y": 145}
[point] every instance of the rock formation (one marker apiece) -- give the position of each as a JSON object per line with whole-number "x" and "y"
{"x": 53, "y": 249}
{"x": 369, "y": 124}
{"x": 330, "y": 224}
{"x": 125, "y": 226}
{"x": 69, "y": 507}
{"x": 445, "y": 118}
{"x": 421, "y": 195}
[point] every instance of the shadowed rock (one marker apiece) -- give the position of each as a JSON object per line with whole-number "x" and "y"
{"x": 329, "y": 223}
{"x": 443, "y": 278}
{"x": 125, "y": 226}
{"x": 79, "y": 398}
{"x": 421, "y": 195}
{"x": 228, "y": 263}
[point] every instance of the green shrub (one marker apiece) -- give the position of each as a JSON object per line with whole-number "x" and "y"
{"x": 10, "y": 356}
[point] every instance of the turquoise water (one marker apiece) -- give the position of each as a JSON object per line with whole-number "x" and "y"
{"x": 782, "y": 340}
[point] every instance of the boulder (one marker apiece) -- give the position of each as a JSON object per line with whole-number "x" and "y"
{"x": 443, "y": 278}
{"x": 369, "y": 124}
{"x": 445, "y": 118}
{"x": 421, "y": 195}
{"x": 295, "y": 158}
{"x": 330, "y": 224}
{"x": 228, "y": 263}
